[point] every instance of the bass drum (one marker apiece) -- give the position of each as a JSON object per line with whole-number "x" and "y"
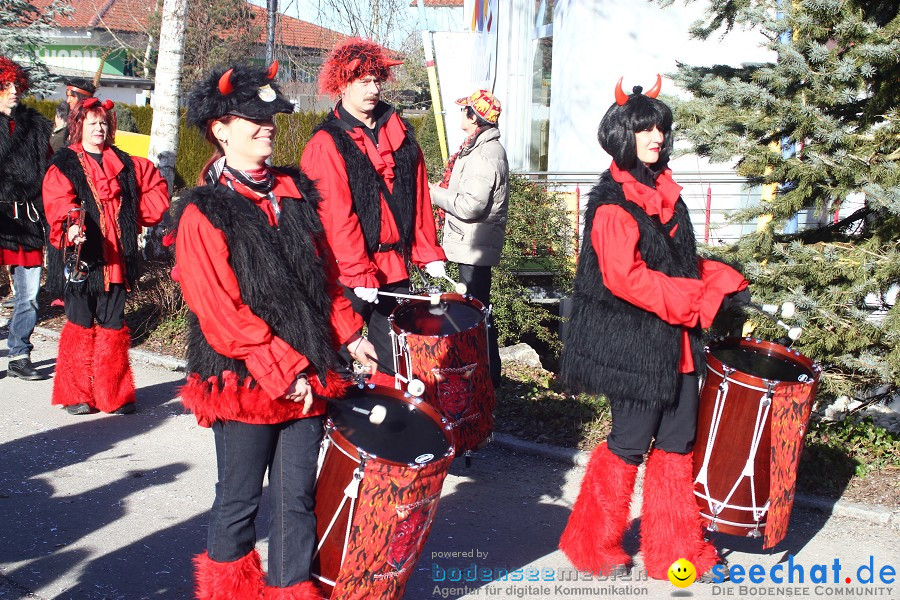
{"x": 445, "y": 346}
{"x": 383, "y": 462}
{"x": 733, "y": 453}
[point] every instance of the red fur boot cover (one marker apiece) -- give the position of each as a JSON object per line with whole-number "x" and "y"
{"x": 670, "y": 520}
{"x": 241, "y": 579}
{"x": 305, "y": 590}
{"x": 113, "y": 381}
{"x": 72, "y": 381}
{"x": 593, "y": 537}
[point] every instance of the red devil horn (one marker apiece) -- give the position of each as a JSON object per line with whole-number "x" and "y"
{"x": 353, "y": 64}
{"x": 225, "y": 87}
{"x": 108, "y": 104}
{"x": 621, "y": 97}
{"x": 89, "y": 102}
{"x": 390, "y": 62}
{"x": 654, "y": 91}
{"x": 272, "y": 71}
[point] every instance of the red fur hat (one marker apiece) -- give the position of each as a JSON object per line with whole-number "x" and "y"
{"x": 12, "y": 72}
{"x": 352, "y": 59}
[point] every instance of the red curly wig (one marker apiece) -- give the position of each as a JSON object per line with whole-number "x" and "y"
{"x": 353, "y": 59}
{"x": 92, "y": 106}
{"x": 12, "y": 72}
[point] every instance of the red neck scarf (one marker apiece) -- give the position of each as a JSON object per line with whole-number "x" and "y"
{"x": 659, "y": 201}
{"x": 448, "y": 171}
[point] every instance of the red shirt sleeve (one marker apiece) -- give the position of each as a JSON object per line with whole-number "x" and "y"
{"x": 425, "y": 247}
{"x": 211, "y": 290}
{"x": 58, "y": 196}
{"x": 323, "y": 164}
{"x": 720, "y": 280}
{"x": 615, "y": 235}
{"x": 154, "y": 192}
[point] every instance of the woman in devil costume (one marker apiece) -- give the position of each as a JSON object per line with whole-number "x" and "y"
{"x": 119, "y": 193}
{"x": 641, "y": 297}
{"x": 267, "y": 319}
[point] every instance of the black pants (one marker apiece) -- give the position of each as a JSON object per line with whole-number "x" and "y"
{"x": 244, "y": 452}
{"x": 478, "y": 284}
{"x": 674, "y": 430}
{"x": 376, "y": 317}
{"x": 107, "y": 309}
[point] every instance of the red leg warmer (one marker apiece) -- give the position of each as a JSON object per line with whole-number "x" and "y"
{"x": 72, "y": 381}
{"x": 670, "y": 521}
{"x": 305, "y": 590}
{"x": 241, "y": 579}
{"x": 113, "y": 381}
{"x": 593, "y": 537}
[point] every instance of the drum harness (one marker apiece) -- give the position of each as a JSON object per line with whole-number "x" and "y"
{"x": 762, "y": 413}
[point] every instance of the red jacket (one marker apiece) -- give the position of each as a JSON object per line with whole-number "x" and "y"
{"x": 59, "y": 197}
{"x": 323, "y": 164}
{"x": 211, "y": 290}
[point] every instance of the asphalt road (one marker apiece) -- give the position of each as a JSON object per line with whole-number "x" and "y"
{"x": 114, "y": 507}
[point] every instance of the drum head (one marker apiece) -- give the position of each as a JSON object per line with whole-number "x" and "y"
{"x": 761, "y": 362}
{"x": 451, "y": 316}
{"x": 406, "y": 435}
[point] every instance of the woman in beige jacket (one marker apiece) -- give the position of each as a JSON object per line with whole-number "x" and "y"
{"x": 474, "y": 194}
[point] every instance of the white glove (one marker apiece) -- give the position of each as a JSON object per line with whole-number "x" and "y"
{"x": 436, "y": 269}
{"x": 366, "y": 293}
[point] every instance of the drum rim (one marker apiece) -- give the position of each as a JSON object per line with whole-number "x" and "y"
{"x": 346, "y": 446}
{"x": 773, "y": 349}
{"x": 462, "y": 299}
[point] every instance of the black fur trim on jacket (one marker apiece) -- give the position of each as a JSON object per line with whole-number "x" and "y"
{"x": 23, "y": 161}
{"x": 279, "y": 272}
{"x": 66, "y": 160}
{"x": 613, "y": 347}
{"x": 366, "y": 186}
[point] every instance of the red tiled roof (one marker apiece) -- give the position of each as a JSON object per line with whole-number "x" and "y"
{"x": 439, "y": 3}
{"x": 132, "y": 16}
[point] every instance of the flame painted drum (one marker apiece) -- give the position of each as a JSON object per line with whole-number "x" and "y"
{"x": 733, "y": 451}
{"x": 377, "y": 491}
{"x": 445, "y": 346}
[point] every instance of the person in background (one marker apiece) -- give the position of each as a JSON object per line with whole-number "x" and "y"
{"x": 60, "y": 126}
{"x": 474, "y": 194}
{"x": 24, "y": 135}
{"x": 78, "y": 90}
{"x": 371, "y": 176}
{"x": 641, "y": 297}
{"x": 267, "y": 317}
{"x": 119, "y": 194}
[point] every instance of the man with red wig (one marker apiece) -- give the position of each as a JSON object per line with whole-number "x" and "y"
{"x": 24, "y": 139}
{"x": 118, "y": 194}
{"x": 370, "y": 172}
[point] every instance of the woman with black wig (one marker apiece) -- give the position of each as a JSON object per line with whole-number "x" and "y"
{"x": 642, "y": 295}
{"x": 267, "y": 317}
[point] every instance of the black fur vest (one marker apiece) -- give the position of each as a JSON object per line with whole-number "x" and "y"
{"x": 67, "y": 161}
{"x": 613, "y": 347}
{"x": 366, "y": 186}
{"x": 23, "y": 161}
{"x": 279, "y": 272}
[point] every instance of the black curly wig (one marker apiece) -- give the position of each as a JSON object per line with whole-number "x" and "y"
{"x": 620, "y": 123}
{"x": 249, "y": 91}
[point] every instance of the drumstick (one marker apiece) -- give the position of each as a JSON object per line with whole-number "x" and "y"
{"x": 459, "y": 287}
{"x": 376, "y": 415}
{"x": 414, "y": 386}
{"x": 432, "y": 298}
{"x": 793, "y": 333}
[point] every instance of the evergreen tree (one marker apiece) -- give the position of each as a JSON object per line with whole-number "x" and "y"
{"x": 832, "y": 94}
{"x": 23, "y": 32}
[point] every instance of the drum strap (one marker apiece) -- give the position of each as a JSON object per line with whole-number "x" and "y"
{"x": 351, "y": 493}
{"x": 762, "y": 413}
